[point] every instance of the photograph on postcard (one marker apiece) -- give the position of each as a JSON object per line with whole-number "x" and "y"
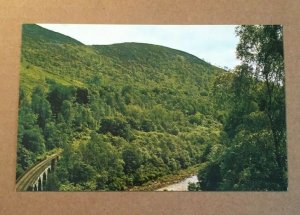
{"x": 151, "y": 108}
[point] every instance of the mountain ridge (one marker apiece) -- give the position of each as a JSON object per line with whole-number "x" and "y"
{"x": 36, "y": 32}
{"x": 62, "y": 56}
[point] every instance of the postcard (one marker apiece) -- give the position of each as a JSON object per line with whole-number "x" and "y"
{"x": 151, "y": 108}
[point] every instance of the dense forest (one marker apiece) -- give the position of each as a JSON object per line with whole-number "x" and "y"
{"x": 127, "y": 114}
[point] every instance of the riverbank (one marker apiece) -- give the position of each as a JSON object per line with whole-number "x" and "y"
{"x": 180, "y": 186}
{"x": 169, "y": 179}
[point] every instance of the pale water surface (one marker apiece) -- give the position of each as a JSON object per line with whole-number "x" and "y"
{"x": 180, "y": 186}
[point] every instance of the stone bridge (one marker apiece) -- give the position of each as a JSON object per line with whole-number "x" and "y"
{"x": 35, "y": 178}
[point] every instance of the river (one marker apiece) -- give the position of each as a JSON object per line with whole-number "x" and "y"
{"x": 180, "y": 186}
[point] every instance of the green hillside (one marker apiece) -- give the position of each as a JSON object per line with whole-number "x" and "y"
{"x": 124, "y": 114}
{"x": 37, "y": 34}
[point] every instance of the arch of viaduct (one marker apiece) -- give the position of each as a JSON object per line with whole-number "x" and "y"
{"x": 35, "y": 179}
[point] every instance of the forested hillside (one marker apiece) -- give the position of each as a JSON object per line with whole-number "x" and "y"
{"x": 126, "y": 114}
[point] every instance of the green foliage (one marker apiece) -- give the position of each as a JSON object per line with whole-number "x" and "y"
{"x": 193, "y": 187}
{"x": 132, "y": 158}
{"x": 255, "y": 153}
{"x": 117, "y": 126}
{"x": 33, "y": 140}
{"x": 81, "y": 172}
{"x": 57, "y": 95}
